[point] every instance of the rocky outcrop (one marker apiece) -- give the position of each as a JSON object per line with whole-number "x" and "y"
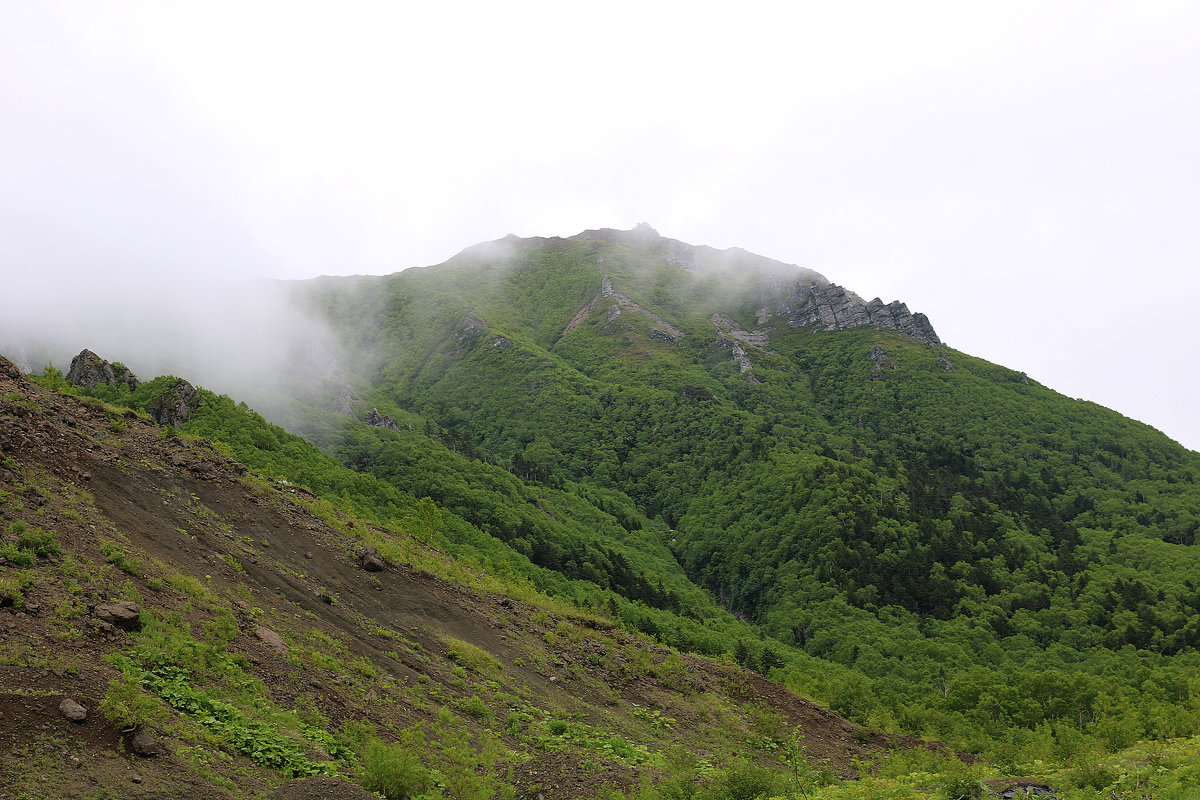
{"x": 831, "y": 307}
{"x": 89, "y": 370}
{"x": 377, "y": 420}
{"x": 173, "y": 406}
{"x": 663, "y": 332}
{"x": 662, "y": 336}
{"x": 731, "y": 335}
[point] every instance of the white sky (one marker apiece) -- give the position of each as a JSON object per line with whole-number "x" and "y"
{"x": 1025, "y": 173}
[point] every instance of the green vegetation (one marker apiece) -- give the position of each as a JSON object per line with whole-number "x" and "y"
{"x": 925, "y": 542}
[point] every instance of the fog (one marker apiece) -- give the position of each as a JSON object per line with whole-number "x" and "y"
{"x": 1027, "y": 175}
{"x": 236, "y": 337}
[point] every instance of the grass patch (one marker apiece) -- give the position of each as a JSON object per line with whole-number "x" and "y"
{"x": 471, "y": 657}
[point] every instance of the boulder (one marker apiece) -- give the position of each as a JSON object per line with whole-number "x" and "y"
{"x": 72, "y": 710}
{"x": 370, "y": 559}
{"x": 124, "y": 614}
{"x": 271, "y": 639}
{"x": 143, "y": 744}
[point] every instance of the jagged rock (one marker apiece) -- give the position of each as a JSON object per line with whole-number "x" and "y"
{"x": 370, "y": 559}
{"x": 612, "y": 314}
{"x": 72, "y": 710}
{"x": 8, "y": 369}
{"x": 662, "y": 336}
{"x": 90, "y": 370}
{"x": 606, "y": 287}
{"x": 271, "y": 639}
{"x": 758, "y": 338}
{"x": 945, "y": 362}
{"x": 832, "y": 307}
{"x": 123, "y": 614}
{"x": 502, "y": 343}
{"x": 174, "y": 406}
{"x": 143, "y": 744}
{"x": 377, "y": 420}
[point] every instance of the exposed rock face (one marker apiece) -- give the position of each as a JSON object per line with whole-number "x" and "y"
{"x": 174, "y": 406}
{"x": 662, "y": 336}
{"x": 882, "y": 362}
{"x": 377, "y": 420}
{"x": 90, "y": 370}
{"x": 124, "y": 614}
{"x": 758, "y": 338}
{"x": 665, "y": 332}
{"x": 832, "y": 307}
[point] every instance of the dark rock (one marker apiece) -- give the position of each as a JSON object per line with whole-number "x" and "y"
{"x": 662, "y": 336}
{"x": 72, "y": 710}
{"x": 502, "y": 343}
{"x": 124, "y": 614}
{"x": 90, "y": 370}
{"x": 143, "y": 744}
{"x": 8, "y": 369}
{"x": 175, "y": 405}
{"x": 370, "y": 559}
{"x": 377, "y": 420}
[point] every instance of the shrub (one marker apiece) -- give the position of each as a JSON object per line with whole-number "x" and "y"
{"x": 964, "y": 787}
{"x": 745, "y": 783}
{"x": 40, "y": 542}
{"x": 393, "y": 771}
{"x": 14, "y": 586}
{"x": 475, "y": 707}
{"x": 126, "y": 706}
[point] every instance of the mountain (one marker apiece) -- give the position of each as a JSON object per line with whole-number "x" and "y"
{"x": 825, "y": 467}
{"x": 708, "y": 459}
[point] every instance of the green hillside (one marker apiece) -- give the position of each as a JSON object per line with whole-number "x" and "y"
{"x": 944, "y": 527}
{"x": 738, "y": 459}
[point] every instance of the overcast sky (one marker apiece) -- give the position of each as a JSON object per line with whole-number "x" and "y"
{"x": 1027, "y": 174}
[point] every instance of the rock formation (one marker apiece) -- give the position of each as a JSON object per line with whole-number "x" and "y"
{"x": 377, "y": 420}
{"x": 832, "y": 307}
{"x": 175, "y": 405}
{"x": 90, "y": 370}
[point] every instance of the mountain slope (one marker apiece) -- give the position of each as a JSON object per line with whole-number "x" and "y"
{"x": 828, "y": 469}
{"x": 265, "y": 646}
